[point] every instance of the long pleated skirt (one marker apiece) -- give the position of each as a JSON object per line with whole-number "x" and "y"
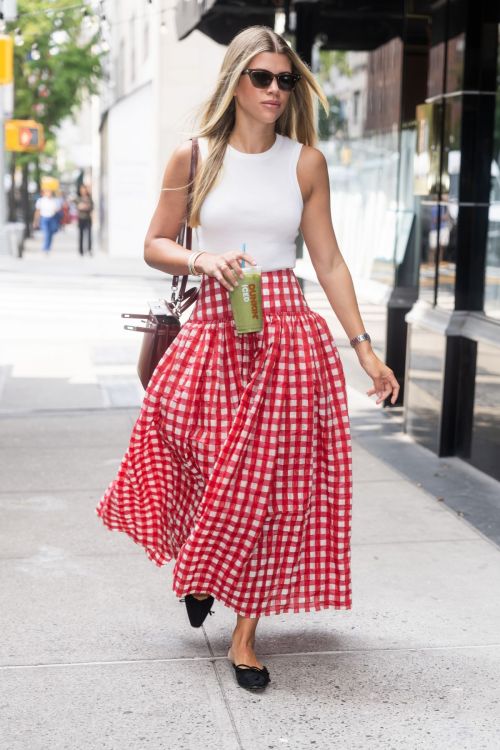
{"x": 239, "y": 464}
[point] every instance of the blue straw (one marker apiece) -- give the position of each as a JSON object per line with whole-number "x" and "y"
{"x": 244, "y": 248}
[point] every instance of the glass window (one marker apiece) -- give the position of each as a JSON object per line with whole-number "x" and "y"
{"x": 360, "y": 140}
{"x": 437, "y": 172}
{"x": 492, "y": 274}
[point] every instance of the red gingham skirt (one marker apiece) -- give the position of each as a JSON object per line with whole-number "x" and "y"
{"x": 239, "y": 464}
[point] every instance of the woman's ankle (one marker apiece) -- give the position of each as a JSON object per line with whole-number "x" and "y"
{"x": 243, "y": 639}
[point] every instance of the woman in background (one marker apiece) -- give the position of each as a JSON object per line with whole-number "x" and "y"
{"x": 85, "y": 206}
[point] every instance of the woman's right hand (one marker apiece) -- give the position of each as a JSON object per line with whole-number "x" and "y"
{"x": 225, "y": 268}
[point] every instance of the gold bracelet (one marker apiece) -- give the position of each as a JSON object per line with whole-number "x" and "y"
{"x": 194, "y": 263}
{"x": 191, "y": 261}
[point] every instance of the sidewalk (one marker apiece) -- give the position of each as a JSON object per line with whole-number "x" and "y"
{"x": 97, "y": 651}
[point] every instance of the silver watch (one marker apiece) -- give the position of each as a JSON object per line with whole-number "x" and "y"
{"x": 358, "y": 339}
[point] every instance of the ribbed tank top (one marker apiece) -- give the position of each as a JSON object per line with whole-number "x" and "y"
{"x": 256, "y": 200}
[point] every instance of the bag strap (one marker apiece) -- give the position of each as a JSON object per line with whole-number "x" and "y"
{"x": 186, "y": 231}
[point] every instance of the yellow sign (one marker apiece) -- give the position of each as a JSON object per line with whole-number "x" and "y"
{"x": 24, "y": 135}
{"x": 6, "y": 59}
{"x": 49, "y": 183}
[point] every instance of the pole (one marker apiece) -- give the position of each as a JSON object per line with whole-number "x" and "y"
{"x": 8, "y": 12}
{"x": 4, "y": 245}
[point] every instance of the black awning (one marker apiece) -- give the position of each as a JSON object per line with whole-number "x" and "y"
{"x": 344, "y": 24}
{"x": 221, "y": 20}
{"x": 188, "y": 14}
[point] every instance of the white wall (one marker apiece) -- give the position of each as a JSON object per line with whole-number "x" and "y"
{"x": 187, "y": 73}
{"x": 130, "y": 193}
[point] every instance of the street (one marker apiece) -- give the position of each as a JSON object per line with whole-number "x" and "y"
{"x": 96, "y": 650}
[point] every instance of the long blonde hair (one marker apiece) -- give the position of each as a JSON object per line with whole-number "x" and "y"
{"x": 217, "y": 116}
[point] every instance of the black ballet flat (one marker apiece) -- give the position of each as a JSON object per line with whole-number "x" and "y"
{"x": 197, "y": 609}
{"x": 252, "y": 678}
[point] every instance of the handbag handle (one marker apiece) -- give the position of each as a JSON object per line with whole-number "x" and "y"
{"x": 186, "y": 231}
{"x": 157, "y": 331}
{"x": 141, "y": 316}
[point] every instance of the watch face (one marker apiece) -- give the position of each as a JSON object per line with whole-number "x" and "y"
{"x": 361, "y": 337}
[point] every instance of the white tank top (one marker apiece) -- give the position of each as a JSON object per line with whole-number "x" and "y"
{"x": 256, "y": 200}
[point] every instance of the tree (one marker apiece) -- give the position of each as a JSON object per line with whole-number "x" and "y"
{"x": 57, "y": 62}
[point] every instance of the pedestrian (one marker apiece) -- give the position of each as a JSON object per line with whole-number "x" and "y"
{"x": 85, "y": 206}
{"x": 239, "y": 464}
{"x": 46, "y": 217}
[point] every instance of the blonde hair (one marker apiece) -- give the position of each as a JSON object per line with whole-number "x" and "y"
{"x": 217, "y": 115}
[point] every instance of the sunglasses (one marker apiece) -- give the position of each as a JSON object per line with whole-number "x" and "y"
{"x": 262, "y": 79}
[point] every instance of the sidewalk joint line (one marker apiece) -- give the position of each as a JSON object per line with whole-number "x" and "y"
{"x": 232, "y": 718}
{"x": 196, "y": 659}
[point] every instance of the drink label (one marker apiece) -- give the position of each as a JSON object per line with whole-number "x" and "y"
{"x": 246, "y": 302}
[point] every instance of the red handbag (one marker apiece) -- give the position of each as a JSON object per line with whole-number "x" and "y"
{"x": 162, "y": 323}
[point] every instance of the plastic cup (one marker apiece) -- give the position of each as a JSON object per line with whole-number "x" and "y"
{"x": 246, "y": 301}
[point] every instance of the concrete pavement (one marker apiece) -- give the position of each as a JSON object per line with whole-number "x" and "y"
{"x": 97, "y": 651}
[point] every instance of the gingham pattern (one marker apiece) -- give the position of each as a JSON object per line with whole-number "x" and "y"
{"x": 239, "y": 465}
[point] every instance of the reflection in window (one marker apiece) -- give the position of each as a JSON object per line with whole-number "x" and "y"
{"x": 492, "y": 274}
{"x": 360, "y": 141}
{"x": 437, "y": 171}
{"x": 486, "y": 436}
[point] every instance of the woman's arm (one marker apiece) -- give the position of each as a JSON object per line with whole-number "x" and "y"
{"x": 161, "y": 251}
{"x": 331, "y": 269}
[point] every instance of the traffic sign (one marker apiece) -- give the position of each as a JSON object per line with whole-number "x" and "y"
{"x": 24, "y": 135}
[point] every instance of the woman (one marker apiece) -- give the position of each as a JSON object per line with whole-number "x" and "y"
{"x": 85, "y": 206}
{"x": 239, "y": 465}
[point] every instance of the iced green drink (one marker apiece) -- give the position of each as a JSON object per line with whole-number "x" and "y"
{"x": 246, "y": 301}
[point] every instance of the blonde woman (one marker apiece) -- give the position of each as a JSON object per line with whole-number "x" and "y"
{"x": 239, "y": 465}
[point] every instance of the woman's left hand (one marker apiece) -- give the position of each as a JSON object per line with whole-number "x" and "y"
{"x": 384, "y": 382}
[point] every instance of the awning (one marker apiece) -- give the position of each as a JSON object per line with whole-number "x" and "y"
{"x": 353, "y": 25}
{"x": 221, "y": 20}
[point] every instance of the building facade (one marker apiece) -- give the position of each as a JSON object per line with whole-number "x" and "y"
{"x": 452, "y": 402}
{"x": 146, "y": 111}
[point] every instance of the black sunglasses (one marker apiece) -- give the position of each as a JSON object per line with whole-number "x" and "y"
{"x": 261, "y": 79}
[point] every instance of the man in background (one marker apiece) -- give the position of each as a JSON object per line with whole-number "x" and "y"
{"x": 46, "y": 217}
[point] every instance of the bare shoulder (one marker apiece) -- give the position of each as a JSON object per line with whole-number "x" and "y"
{"x": 311, "y": 169}
{"x": 177, "y": 169}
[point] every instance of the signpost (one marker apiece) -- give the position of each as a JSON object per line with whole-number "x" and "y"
{"x": 6, "y": 78}
{"x": 15, "y": 135}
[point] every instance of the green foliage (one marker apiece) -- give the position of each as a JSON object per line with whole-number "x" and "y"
{"x": 333, "y": 58}
{"x": 328, "y": 124}
{"x": 68, "y": 67}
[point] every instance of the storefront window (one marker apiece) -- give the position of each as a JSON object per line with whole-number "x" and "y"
{"x": 437, "y": 172}
{"x": 360, "y": 140}
{"x": 492, "y": 275}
